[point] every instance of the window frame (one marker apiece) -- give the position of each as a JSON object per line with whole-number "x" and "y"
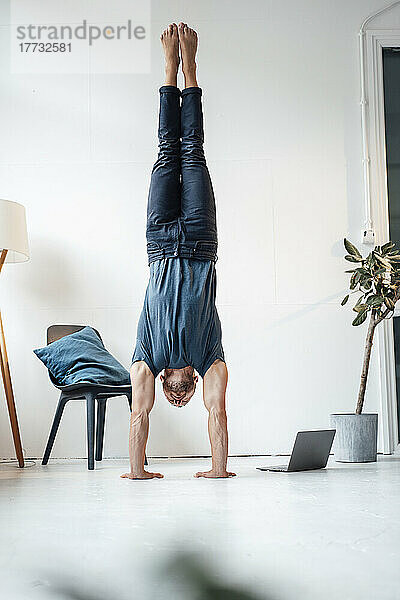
{"x": 376, "y": 40}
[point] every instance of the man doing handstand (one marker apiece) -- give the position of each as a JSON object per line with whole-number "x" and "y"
{"x": 179, "y": 331}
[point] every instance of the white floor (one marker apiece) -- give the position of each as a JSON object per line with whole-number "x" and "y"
{"x": 332, "y": 534}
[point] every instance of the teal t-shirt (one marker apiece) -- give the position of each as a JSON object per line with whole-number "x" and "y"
{"x": 179, "y": 325}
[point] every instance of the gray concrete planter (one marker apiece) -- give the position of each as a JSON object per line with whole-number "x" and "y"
{"x": 356, "y": 437}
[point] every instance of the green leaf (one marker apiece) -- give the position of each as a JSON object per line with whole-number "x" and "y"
{"x": 365, "y": 277}
{"x": 371, "y": 262}
{"x": 360, "y": 307}
{"x": 354, "y": 279}
{"x": 343, "y": 302}
{"x": 389, "y": 303}
{"x": 353, "y": 259}
{"x": 383, "y": 261}
{"x": 388, "y": 246}
{"x": 360, "y": 318}
{"x": 374, "y": 300}
{"x": 368, "y": 284}
{"x": 351, "y": 249}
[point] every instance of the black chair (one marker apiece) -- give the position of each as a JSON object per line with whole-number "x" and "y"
{"x": 89, "y": 392}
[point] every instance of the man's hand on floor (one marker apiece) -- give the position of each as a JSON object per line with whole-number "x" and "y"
{"x": 143, "y": 475}
{"x": 215, "y": 474}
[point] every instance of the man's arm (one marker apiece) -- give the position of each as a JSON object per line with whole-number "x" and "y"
{"x": 214, "y": 388}
{"x": 142, "y": 403}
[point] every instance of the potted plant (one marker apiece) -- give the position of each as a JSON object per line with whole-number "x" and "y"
{"x": 376, "y": 282}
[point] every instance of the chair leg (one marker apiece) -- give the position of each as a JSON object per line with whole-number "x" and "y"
{"x": 54, "y": 428}
{"x": 90, "y": 419}
{"x": 101, "y": 415}
{"x": 129, "y": 396}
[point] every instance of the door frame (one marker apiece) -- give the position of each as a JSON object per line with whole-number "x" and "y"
{"x": 376, "y": 40}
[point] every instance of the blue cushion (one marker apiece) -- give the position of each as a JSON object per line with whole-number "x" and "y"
{"x": 82, "y": 358}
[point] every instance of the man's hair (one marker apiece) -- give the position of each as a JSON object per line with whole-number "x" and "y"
{"x": 185, "y": 385}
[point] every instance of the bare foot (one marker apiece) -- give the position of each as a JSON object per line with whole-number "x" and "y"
{"x": 170, "y": 42}
{"x": 215, "y": 475}
{"x": 188, "y": 44}
{"x": 143, "y": 475}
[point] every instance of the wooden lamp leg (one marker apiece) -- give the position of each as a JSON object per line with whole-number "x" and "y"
{"x": 5, "y": 371}
{"x": 8, "y": 389}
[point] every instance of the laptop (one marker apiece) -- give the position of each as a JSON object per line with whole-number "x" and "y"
{"x": 310, "y": 451}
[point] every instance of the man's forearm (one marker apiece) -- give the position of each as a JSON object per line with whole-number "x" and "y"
{"x": 142, "y": 403}
{"x": 214, "y": 388}
{"x": 218, "y": 433}
{"x": 138, "y": 435}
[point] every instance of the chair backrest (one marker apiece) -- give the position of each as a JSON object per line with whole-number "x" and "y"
{"x": 56, "y": 332}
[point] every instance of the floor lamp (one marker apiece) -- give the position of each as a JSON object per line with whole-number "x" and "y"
{"x": 13, "y": 248}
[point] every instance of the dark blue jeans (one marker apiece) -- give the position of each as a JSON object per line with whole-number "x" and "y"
{"x": 181, "y": 219}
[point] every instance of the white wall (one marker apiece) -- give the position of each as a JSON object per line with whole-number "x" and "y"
{"x": 281, "y": 93}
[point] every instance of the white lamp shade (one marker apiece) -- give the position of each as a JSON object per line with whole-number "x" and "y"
{"x": 13, "y": 232}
